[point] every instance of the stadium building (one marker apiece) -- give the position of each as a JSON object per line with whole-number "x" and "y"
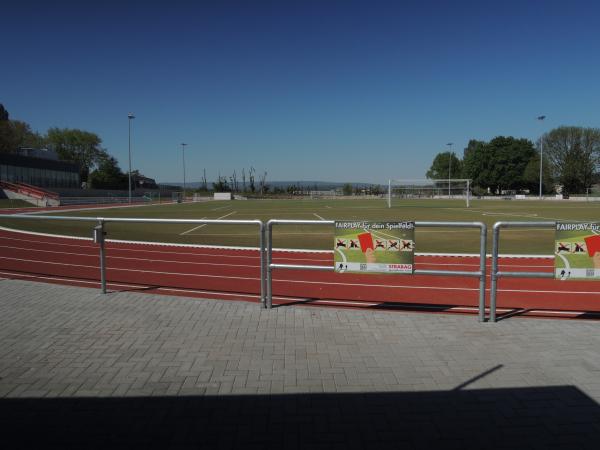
{"x": 38, "y": 167}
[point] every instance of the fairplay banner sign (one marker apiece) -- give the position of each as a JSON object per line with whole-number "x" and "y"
{"x": 577, "y": 251}
{"x": 374, "y": 247}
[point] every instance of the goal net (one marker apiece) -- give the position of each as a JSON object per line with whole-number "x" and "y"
{"x": 453, "y": 188}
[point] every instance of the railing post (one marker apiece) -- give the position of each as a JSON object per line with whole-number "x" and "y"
{"x": 102, "y": 256}
{"x": 263, "y": 297}
{"x": 269, "y": 303}
{"x": 494, "y": 274}
{"x": 482, "y": 269}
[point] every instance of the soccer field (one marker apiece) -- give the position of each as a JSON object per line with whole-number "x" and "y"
{"x": 515, "y": 241}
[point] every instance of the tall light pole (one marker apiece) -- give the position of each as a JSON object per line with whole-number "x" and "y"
{"x": 449, "y": 144}
{"x": 183, "y": 155}
{"x": 541, "y": 118}
{"x": 130, "y": 116}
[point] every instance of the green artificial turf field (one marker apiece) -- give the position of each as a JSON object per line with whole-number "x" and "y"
{"x": 530, "y": 241}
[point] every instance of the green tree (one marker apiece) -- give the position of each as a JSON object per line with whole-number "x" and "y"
{"x": 445, "y": 165}
{"x": 3, "y": 113}
{"x": 79, "y": 146}
{"x": 15, "y": 134}
{"x": 509, "y": 158}
{"x": 347, "y": 189}
{"x": 499, "y": 164}
{"x": 476, "y": 163}
{"x": 531, "y": 176}
{"x": 574, "y": 154}
{"x": 108, "y": 175}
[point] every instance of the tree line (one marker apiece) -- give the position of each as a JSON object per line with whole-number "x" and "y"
{"x": 96, "y": 166}
{"x": 571, "y": 160}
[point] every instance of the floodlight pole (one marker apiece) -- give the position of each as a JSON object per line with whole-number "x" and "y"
{"x": 183, "y": 155}
{"x": 130, "y": 116}
{"x": 541, "y": 118}
{"x": 449, "y": 144}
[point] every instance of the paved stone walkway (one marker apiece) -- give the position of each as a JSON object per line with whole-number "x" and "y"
{"x": 132, "y": 370}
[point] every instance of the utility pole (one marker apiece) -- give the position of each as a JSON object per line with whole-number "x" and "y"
{"x": 183, "y": 155}
{"x": 130, "y": 117}
{"x": 541, "y": 118}
{"x": 449, "y": 144}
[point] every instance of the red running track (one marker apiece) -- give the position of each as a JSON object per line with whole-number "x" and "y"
{"x": 227, "y": 273}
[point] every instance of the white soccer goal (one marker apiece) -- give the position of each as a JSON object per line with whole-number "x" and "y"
{"x": 453, "y": 188}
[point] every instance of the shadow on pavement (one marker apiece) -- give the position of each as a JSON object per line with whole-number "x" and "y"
{"x": 530, "y": 418}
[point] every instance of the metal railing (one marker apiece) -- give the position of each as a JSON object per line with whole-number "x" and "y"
{"x": 495, "y": 274}
{"x": 99, "y": 234}
{"x": 481, "y": 273}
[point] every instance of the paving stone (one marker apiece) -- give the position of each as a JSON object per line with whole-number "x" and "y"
{"x": 135, "y": 370}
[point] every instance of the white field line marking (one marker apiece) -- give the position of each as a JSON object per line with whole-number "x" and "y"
{"x": 222, "y": 207}
{"x": 492, "y": 213}
{"x": 195, "y": 228}
{"x": 131, "y": 270}
{"x": 95, "y": 255}
{"x": 565, "y": 261}
{"x": 91, "y": 208}
{"x": 204, "y": 224}
{"x": 318, "y": 216}
{"x": 344, "y": 261}
{"x": 509, "y": 214}
{"x": 382, "y": 235}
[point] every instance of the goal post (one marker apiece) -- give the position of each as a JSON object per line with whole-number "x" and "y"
{"x": 452, "y": 188}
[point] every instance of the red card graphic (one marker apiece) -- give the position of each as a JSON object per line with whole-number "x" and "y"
{"x": 593, "y": 244}
{"x": 366, "y": 241}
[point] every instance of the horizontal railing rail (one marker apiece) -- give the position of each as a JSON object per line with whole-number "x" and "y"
{"x": 481, "y": 273}
{"x": 495, "y": 273}
{"x": 99, "y": 234}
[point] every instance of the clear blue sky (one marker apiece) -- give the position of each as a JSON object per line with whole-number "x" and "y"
{"x": 313, "y": 90}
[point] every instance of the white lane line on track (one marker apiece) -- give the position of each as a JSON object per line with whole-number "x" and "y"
{"x": 95, "y": 255}
{"x": 440, "y": 288}
{"x": 318, "y": 216}
{"x": 189, "y": 291}
{"x": 72, "y": 280}
{"x": 204, "y": 224}
{"x": 221, "y": 255}
{"x": 227, "y": 247}
{"x": 138, "y": 250}
{"x": 130, "y": 270}
{"x": 278, "y": 260}
{"x": 230, "y": 294}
